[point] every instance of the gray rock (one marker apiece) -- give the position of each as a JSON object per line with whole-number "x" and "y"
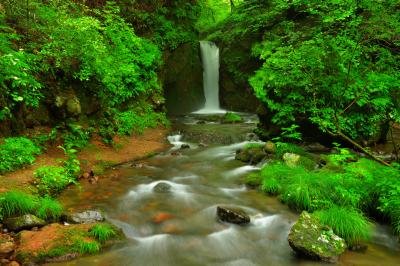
{"x": 291, "y": 159}
{"x": 162, "y": 187}
{"x": 310, "y": 239}
{"x": 85, "y": 217}
{"x": 232, "y": 215}
{"x": 24, "y": 222}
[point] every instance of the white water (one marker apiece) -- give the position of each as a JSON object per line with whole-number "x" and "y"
{"x": 210, "y": 58}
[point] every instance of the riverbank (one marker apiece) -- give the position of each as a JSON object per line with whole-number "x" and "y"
{"x": 95, "y": 156}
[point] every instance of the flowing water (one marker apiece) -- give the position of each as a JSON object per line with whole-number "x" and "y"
{"x": 210, "y": 59}
{"x": 180, "y": 228}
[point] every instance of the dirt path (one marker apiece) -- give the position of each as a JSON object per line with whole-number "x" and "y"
{"x": 95, "y": 155}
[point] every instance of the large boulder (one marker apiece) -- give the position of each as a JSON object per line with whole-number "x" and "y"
{"x": 310, "y": 239}
{"x": 232, "y": 215}
{"x": 85, "y": 217}
{"x": 291, "y": 159}
{"x": 27, "y": 221}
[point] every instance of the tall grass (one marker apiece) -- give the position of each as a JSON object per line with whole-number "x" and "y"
{"x": 347, "y": 223}
{"x": 49, "y": 209}
{"x": 16, "y": 203}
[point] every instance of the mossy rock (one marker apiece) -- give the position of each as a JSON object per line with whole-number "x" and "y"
{"x": 252, "y": 155}
{"x": 231, "y": 118}
{"x": 23, "y": 222}
{"x": 57, "y": 242}
{"x": 253, "y": 180}
{"x": 310, "y": 239}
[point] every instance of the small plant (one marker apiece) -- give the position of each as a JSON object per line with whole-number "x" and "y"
{"x": 103, "y": 232}
{"x": 16, "y": 203}
{"x": 49, "y": 209}
{"x": 76, "y": 137}
{"x": 231, "y": 118}
{"x": 52, "y": 179}
{"x": 289, "y": 134}
{"x": 347, "y": 223}
{"x": 283, "y": 147}
{"x": 84, "y": 246}
{"x": 16, "y": 152}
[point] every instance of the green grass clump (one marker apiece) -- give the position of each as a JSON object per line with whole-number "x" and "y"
{"x": 230, "y": 118}
{"x": 17, "y": 152}
{"x": 14, "y": 203}
{"x": 348, "y": 223}
{"x": 253, "y": 146}
{"x": 84, "y": 246}
{"x": 270, "y": 186}
{"x": 253, "y": 179}
{"x": 103, "y": 232}
{"x": 49, "y": 209}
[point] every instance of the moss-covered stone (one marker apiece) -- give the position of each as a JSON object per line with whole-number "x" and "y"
{"x": 231, "y": 118}
{"x": 310, "y": 239}
{"x": 26, "y": 221}
{"x": 57, "y": 242}
{"x": 252, "y": 155}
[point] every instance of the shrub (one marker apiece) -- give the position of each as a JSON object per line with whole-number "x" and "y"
{"x": 16, "y": 152}
{"x": 347, "y": 223}
{"x": 52, "y": 179}
{"x": 16, "y": 203}
{"x": 103, "y": 232}
{"x": 49, "y": 209}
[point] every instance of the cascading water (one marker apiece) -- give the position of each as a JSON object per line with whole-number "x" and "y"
{"x": 210, "y": 58}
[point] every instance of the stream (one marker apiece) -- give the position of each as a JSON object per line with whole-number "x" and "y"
{"x": 180, "y": 228}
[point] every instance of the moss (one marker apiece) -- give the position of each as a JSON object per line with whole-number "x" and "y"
{"x": 253, "y": 180}
{"x": 231, "y": 118}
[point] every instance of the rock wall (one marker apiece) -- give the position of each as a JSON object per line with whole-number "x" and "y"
{"x": 182, "y": 78}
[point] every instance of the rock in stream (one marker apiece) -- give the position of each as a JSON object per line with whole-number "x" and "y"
{"x": 232, "y": 215}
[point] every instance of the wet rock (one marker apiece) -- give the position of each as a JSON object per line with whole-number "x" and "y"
{"x": 7, "y": 246}
{"x": 310, "y": 239}
{"x": 162, "y": 217}
{"x": 316, "y": 147}
{"x": 252, "y": 155}
{"x": 359, "y": 248}
{"x": 185, "y": 146}
{"x": 252, "y": 137}
{"x": 176, "y": 153}
{"x": 232, "y": 215}
{"x": 86, "y": 217}
{"x": 270, "y": 147}
{"x": 291, "y": 159}
{"x": 202, "y": 145}
{"x": 27, "y": 221}
{"x": 162, "y": 187}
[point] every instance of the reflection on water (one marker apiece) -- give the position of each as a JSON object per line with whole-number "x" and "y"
{"x": 180, "y": 227}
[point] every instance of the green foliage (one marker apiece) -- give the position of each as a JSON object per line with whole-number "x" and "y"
{"x": 18, "y": 85}
{"x": 52, "y": 179}
{"x": 103, "y": 232}
{"x": 231, "y": 118}
{"x": 49, "y": 209}
{"x": 349, "y": 224}
{"x": 16, "y": 203}
{"x": 333, "y": 63}
{"x": 17, "y": 152}
{"x": 289, "y": 134}
{"x": 84, "y": 246}
{"x": 76, "y": 137}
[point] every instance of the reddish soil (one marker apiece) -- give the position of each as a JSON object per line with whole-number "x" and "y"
{"x": 95, "y": 154}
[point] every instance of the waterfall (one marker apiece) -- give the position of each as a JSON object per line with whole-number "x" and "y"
{"x": 210, "y": 58}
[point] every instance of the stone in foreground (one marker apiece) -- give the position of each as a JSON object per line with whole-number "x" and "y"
{"x": 232, "y": 215}
{"x": 310, "y": 239}
{"x": 162, "y": 187}
{"x": 85, "y": 217}
{"x": 27, "y": 221}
